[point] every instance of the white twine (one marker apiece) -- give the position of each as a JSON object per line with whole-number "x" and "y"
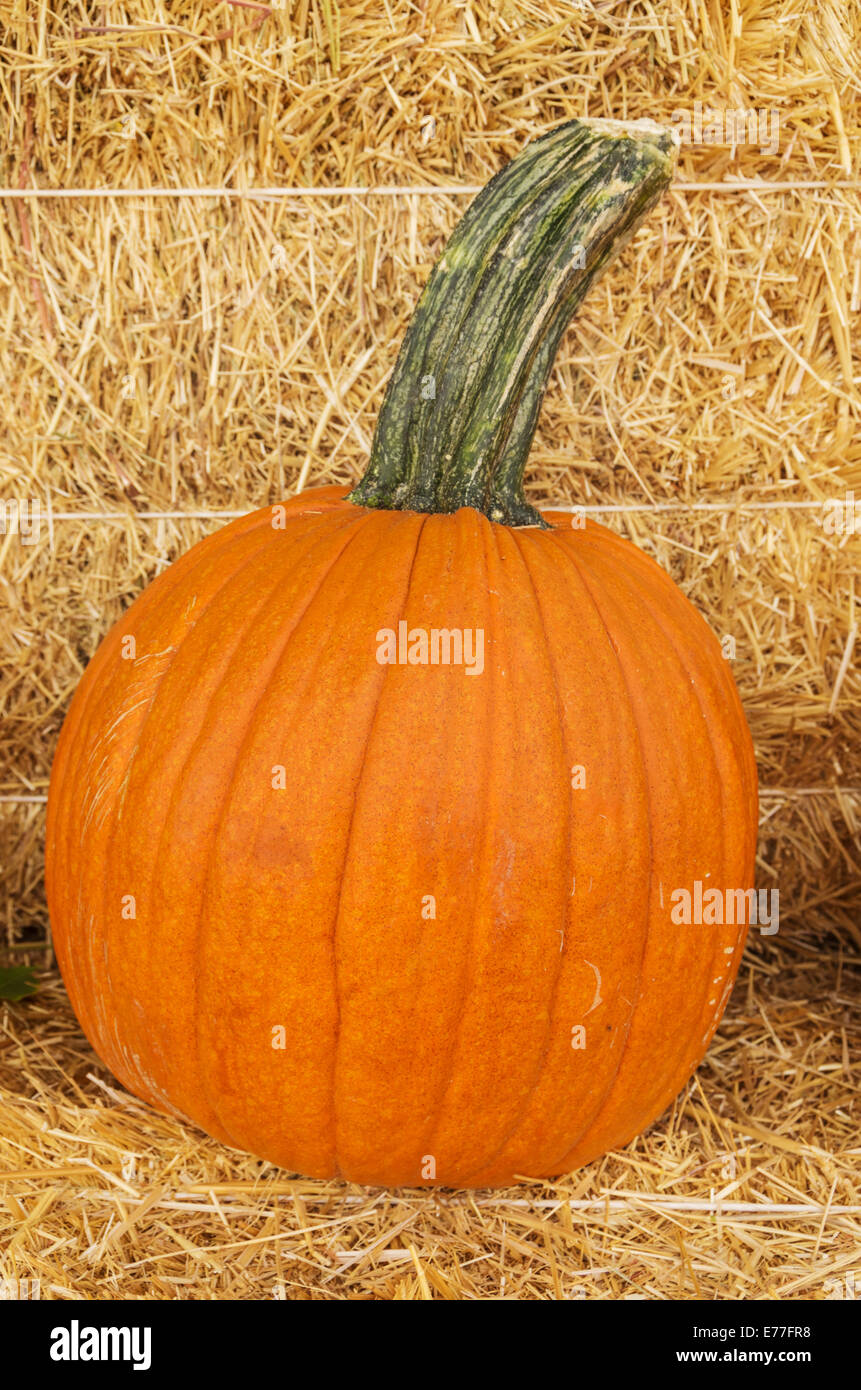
{"x": 397, "y": 190}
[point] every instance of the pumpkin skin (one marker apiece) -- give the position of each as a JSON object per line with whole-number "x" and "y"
{"x": 416, "y": 1049}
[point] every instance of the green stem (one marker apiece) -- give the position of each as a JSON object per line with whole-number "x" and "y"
{"x": 457, "y": 421}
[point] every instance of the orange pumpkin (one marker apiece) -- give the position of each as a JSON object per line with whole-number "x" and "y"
{"x": 366, "y": 911}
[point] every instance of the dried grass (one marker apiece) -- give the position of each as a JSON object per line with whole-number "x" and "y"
{"x": 178, "y": 354}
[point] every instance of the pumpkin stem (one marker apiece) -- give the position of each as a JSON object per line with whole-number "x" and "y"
{"x": 458, "y": 417}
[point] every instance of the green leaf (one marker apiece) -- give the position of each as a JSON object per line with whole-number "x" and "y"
{"x": 17, "y": 981}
